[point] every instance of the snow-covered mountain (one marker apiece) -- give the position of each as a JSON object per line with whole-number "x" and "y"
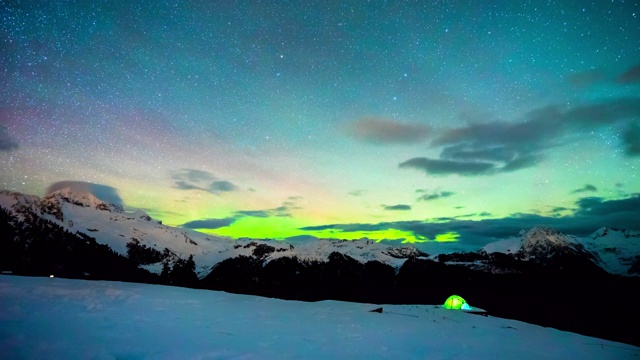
{"x": 616, "y": 251}
{"x": 110, "y": 225}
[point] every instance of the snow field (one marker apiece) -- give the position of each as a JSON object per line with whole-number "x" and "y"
{"x": 53, "y": 318}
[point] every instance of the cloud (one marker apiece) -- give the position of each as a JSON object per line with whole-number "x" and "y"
{"x": 7, "y": 143}
{"x": 399, "y": 207}
{"x": 209, "y": 223}
{"x": 280, "y": 211}
{"x": 195, "y": 175}
{"x": 559, "y": 209}
{"x": 521, "y": 162}
{"x": 356, "y": 193}
{"x": 494, "y": 147}
{"x": 253, "y": 213}
{"x": 459, "y": 152}
{"x": 590, "y": 214}
{"x": 630, "y": 76}
{"x": 587, "y": 78}
{"x": 448, "y": 167}
{"x": 183, "y": 185}
{"x": 631, "y": 139}
{"x": 435, "y": 195}
{"x": 589, "y": 117}
{"x": 292, "y": 202}
{"x": 385, "y": 131}
{"x": 221, "y": 186}
{"x": 323, "y": 227}
{"x": 283, "y": 210}
{"x": 586, "y": 188}
{"x": 597, "y": 207}
{"x": 105, "y": 193}
{"x": 193, "y": 179}
{"x": 591, "y": 77}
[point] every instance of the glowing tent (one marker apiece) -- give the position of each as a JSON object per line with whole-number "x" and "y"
{"x": 455, "y": 302}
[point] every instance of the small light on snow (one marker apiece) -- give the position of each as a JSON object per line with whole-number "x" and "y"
{"x": 51, "y": 276}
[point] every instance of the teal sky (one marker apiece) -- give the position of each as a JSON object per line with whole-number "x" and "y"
{"x": 452, "y": 121}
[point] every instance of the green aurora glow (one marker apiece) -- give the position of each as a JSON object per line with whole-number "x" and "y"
{"x": 377, "y": 120}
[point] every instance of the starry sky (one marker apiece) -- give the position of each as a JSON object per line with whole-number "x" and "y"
{"x": 435, "y": 122}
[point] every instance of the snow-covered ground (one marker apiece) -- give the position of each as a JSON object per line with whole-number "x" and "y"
{"x": 52, "y": 318}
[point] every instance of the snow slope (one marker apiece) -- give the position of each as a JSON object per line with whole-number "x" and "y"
{"x": 46, "y": 318}
{"x": 617, "y": 250}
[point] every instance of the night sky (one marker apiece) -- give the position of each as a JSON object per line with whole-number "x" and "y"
{"x": 444, "y": 122}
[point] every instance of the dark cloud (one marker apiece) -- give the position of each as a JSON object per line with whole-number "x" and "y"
{"x": 511, "y": 137}
{"x": 435, "y": 195}
{"x": 183, "y": 185}
{"x": 322, "y": 227}
{"x": 356, "y": 193}
{"x": 283, "y": 210}
{"x": 292, "y": 202}
{"x": 193, "y": 179}
{"x": 385, "y": 131}
{"x": 220, "y": 186}
{"x": 589, "y": 117}
{"x": 631, "y": 139}
{"x": 590, "y": 214}
{"x": 208, "y": 223}
{"x": 7, "y": 143}
{"x": 399, "y": 207}
{"x": 587, "y": 78}
{"x": 630, "y": 76}
{"x": 253, "y": 213}
{"x": 195, "y": 175}
{"x": 105, "y": 193}
{"x": 301, "y": 239}
{"x": 448, "y": 167}
{"x": 521, "y": 162}
{"x": 155, "y": 213}
{"x": 586, "y": 188}
{"x": 459, "y": 152}
{"x": 494, "y": 147}
{"x": 628, "y": 208}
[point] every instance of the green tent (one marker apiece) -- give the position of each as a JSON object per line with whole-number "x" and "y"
{"x": 455, "y": 302}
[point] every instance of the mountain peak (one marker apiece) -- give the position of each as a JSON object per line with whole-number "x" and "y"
{"x": 537, "y": 243}
{"x": 537, "y": 235}
{"x": 544, "y": 242}
{"x": 84, "y": 199}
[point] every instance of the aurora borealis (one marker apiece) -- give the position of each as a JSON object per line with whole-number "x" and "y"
{"x": 436, "y": 121}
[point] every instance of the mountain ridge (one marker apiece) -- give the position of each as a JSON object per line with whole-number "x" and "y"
{"x": 616, "y": 251}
